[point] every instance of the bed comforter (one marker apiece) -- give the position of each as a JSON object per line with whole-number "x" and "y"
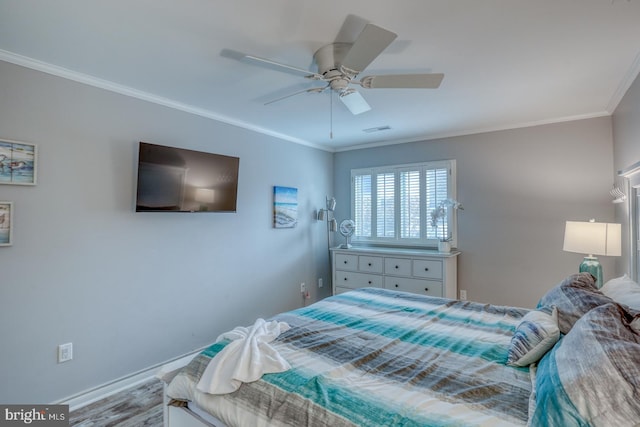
{"x": 373, "y": 357}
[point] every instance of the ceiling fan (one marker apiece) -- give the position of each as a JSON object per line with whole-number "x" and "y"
{"x": 339, "y": 63}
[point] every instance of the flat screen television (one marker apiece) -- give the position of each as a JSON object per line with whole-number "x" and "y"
{"x": 179, "y": 180}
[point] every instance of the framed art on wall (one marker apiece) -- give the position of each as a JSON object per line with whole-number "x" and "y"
{"x": 285, "y": 207}
{"x": 17, "y": 162}
{"x": 6, "y": 223}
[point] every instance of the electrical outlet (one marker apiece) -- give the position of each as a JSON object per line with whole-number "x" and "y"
{"x": 463, "y": 295}
{"x": 65, "y": 352}
{"x": 303, "y": 288}
{"x": 320, "y": 284}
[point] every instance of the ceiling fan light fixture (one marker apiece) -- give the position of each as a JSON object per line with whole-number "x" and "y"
{"x": 354, "y": 102}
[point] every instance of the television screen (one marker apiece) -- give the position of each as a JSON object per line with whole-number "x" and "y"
{"x": 180, "y": 180}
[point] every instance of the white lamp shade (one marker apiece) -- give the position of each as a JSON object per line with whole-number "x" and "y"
{"x": 204, "y": 195}
{"x": 593, "y": 238}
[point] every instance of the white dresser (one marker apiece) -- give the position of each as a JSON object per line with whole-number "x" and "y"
{"x": 419, "y": 271}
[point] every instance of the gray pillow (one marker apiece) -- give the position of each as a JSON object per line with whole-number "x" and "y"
{"x": 573, "y": 297}
{"x": 592, "y": 375}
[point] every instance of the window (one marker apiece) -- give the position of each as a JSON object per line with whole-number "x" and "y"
{"x": 393, "y": 204}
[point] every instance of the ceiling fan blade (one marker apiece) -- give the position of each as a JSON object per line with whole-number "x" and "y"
{"x": 369, "y": 44}
{"x": 268, "y": 63}
{"x": 354, "y": 102}
{"x": 351, "y": 27}
{"x": 313, "y": 89}
{"x": 399, "y": 81}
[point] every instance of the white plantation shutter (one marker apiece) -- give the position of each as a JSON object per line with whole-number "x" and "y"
{"x": 410, "y": 224}
{"x": 437, "y": 190}
{"x": 361, "y": 196}
{"x": 393, "y": 204}
{"x": 385, "y": 205}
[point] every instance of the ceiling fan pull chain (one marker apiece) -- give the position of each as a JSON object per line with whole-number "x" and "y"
{"x": 330, "y": 114}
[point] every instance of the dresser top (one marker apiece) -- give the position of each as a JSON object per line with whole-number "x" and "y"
{"x": 380, "y": 250}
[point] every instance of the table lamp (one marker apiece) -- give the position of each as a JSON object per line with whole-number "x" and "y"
{"x": 592, "y": 238}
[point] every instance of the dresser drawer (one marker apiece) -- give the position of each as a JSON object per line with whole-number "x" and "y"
{"x": 370, "y": 264}
{"x": 430, "y": 269}
{"x": 397, "y": 266}
{"x": 416, "y": 286}
{"x": 348, "y": 279}
{"x": 346, "y": 262}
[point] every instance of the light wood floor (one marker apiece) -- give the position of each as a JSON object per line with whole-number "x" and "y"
{"x": 140, "y": 406}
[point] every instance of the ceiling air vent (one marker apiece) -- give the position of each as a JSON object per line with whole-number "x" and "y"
{"x": 376, "y": 129}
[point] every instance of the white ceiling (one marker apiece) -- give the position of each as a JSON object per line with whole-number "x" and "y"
{"x": 507, "y": 63}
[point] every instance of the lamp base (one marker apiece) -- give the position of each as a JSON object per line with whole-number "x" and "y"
{"x": 592, "y": 265}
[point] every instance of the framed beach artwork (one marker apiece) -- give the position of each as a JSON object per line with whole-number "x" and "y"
{"x": 285, "y": 207}
{"x": 6, "y": 223}
{"x": 17, "y": 163}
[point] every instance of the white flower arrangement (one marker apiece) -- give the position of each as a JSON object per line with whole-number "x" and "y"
{"x": 439, "y": 213}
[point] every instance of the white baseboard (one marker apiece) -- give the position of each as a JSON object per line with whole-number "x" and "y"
{"x": 105, "y": 390}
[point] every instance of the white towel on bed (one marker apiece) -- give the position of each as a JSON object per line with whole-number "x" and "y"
{"x": 245, "y": 359}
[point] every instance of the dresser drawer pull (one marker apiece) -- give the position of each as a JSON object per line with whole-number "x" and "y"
{"x": 345, "y": 261}
{"x": 426, "y": 289}
{"x": 397, "y": 267}
{"x": 397, "y": 285}
{"x": 345, "y": 279}
{"x": 369, "y": 282}
{"x": 426, "y": 269}
{"x": 369, "y": 264}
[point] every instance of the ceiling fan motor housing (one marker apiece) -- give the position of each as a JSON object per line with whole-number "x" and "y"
{"x": 329, "y": 60}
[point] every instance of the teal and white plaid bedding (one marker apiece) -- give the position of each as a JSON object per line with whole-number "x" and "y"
{"x": 374, "y": 357}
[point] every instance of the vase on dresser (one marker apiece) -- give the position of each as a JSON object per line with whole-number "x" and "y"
{"x": 444, "y": 246}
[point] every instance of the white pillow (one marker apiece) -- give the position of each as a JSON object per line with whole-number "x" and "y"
{"x": 624, "y": 291}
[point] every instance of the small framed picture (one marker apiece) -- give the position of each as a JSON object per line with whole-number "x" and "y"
{"x": 6, "y": 223}
{"x": 285, "y": 207}
{"x": 18, "y": 162}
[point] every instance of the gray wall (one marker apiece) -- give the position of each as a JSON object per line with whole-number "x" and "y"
{"x": 518, "y": 188}
{"x": 131, "y": 290}
{"x": 626, "y": 136}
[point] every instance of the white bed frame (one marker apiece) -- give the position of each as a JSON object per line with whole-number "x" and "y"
{"x": 176, "y": 416}
{"x": 183, "y": 417}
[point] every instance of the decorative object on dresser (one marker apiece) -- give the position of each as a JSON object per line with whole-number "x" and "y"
{"x": 419, "y": 271}
{"x": 593, "y": 238}
{"x": 347, "y": 228}
{"x": 439, "y": 217}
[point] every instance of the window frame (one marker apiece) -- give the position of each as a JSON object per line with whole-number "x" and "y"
{"x": 425, "y": 223}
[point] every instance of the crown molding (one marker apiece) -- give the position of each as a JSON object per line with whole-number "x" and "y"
{"x": 624, "y": 85}
{"x": 89, "y": 80}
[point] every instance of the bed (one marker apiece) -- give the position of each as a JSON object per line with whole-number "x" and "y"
{"x": 375, "y": 357}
